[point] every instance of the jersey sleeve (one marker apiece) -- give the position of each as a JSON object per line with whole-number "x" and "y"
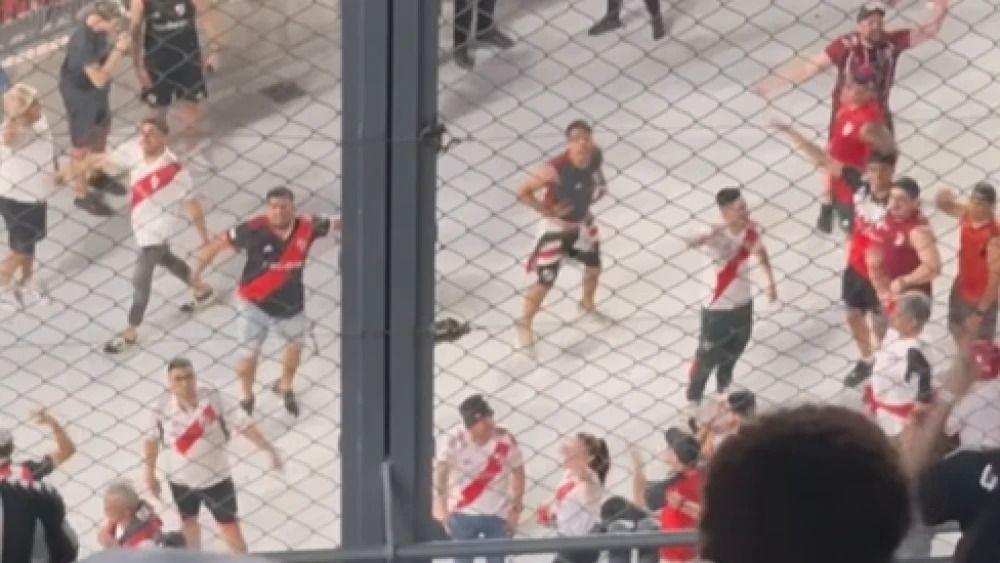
{"x": 901, "y": 39}
{"x": 154, "y": 427}
{"x": 447, "y": 447}
{"x": 41, "y": 468}
{"x": 239, "y": 236}
{"x": 321, "y": 226}
{"x": 837, "y": 51}
{"x": 917, "y": 366}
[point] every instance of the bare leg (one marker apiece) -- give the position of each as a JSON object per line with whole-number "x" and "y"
{"x": 189, "y": 114}
{"x": 246, "y": 369}
{"x": 232, "y": 534}
{"x": 532, "y": 303}
{"x": 290, "y": 364}
{"x": 590, "y": 278}
{"x": 192, "y": 533}
{"x": 860, "y": 331}
{"x": 78, "y": 171}
{"x": 7, "y": 268}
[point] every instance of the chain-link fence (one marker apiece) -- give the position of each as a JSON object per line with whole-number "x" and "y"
{"x": 271, "y": 118}
{"x": 677, "y": 119}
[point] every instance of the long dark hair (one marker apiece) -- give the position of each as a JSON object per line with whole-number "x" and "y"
{"x": 597, "y": 453}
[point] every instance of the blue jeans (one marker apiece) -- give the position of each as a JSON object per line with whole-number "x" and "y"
{"x": 474, "y": 527}
{"x": 4, "y": 81}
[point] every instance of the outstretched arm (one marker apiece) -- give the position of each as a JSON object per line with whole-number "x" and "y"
{"x": 949, "y": 204}
{"x": 765, "y": 263}
{"x": 208, "y": 254}
{"x": 810, "y": 150}
{"x": 794, "y": 72}
{"x": 930, "y": 28}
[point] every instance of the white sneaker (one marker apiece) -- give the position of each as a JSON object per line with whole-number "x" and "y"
{"x": 524, "y": 344}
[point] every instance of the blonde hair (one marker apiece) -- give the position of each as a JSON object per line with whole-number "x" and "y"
{"x": 18, "y": 100}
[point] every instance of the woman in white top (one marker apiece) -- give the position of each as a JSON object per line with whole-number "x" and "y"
{"x": 575, "y": 509}
{"x": 26, "y": 181}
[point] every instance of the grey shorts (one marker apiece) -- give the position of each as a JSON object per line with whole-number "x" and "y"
{"x": 959, "y": 309}
{"x": 255, "y": 325}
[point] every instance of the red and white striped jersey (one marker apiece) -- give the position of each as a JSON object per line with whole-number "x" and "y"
{"x": 195, "y": 439}
{"x": 157, "y": 190}
{"x": 729, "y": 276}
{"x": 480, "y": 474}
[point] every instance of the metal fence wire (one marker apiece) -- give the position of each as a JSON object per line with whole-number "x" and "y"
{"x": 677, "y": 118}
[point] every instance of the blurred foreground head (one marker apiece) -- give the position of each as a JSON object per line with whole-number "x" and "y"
{"x": 813, "y": 484}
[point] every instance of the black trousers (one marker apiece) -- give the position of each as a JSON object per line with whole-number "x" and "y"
{"x": 615, "y": 8}
{"x": 724, "y": 335}
{"x": 464, "y": 11}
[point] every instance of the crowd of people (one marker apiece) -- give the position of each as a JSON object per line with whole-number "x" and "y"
{"x": 809, "y": 483}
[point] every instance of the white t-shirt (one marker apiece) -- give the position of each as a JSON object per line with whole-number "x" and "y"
{"x": 479, "y": 476}
{"x": 577, "y": 504}
{"x": 898, "y": 374}
{"x": 729, "y": 276}
{"x": 976, "y": 417}
{"x": 195, "y": 440}
{"x": 26, "y": 168}
{"x": 157, "y": 192}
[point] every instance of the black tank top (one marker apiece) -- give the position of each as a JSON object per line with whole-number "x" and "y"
{"x": 575, "y": 186}
{"x": 171, "y": 34}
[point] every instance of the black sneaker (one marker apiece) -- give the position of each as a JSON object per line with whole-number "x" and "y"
{"x": 862, "y": 371}
{"x": 94, "y": 205}
{"x": 463, "y": 58}
{"x": 496, "y": 38}
{"x": 247, "y": 406}
{"x": 659, "y": 28}
{"x": 102, "y": 182}
{"x": 606, "y": 24}
{"x": 824, "y": 223}
{"x": 198, "y": 302}
{"x": 291, "y": 405}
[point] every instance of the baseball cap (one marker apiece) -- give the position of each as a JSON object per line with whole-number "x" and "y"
{"x": 870, "y": 10}
{"x": 684, "y": 445}
{"x": 18, "y": 99}
{"x": 908, "y": 185}
{"x": 985, "y": 191}
{"x": 473, "y": 409}
{"x": 743, "y": 402}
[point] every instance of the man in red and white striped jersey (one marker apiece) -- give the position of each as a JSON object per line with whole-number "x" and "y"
{"x": 727, "y": 314}
{"x": 271, "y": 295}
{"x": 159, "y": 186}
{"x": 479, "y": 478}
{"x": 195, "y": 426}
{"x": 869, "y": 45}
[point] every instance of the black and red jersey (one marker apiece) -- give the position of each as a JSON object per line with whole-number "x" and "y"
{"x": 272, "y": 277}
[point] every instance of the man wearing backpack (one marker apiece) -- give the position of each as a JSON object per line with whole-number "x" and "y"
{"x": 194, "y": 425}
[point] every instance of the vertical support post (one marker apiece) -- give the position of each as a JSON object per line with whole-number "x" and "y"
{"x": 413, "y": 235}
{"x": 364, "y": 403}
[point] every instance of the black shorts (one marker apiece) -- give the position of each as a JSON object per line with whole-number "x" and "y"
{"x": 845, "y": 215}
{"x": 959, "y": 309}
{"x": 175, "y": 80}
{"x": 554, "y": 246}
{"x": 26, "y": 224}
{"x": 220, "y": 499}
{"x": 89, "y": 121}
{"x": 859, "y": 293}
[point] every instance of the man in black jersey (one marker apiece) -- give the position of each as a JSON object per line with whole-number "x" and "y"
{"x": 271, "y": 293}
{"x": 569, "y": 184}
{"x": 169, "y": 60}
{"x": 33, "y": 524}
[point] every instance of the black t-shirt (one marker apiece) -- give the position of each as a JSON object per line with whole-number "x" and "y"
{"x": 965, "y": 487}
{"x": 171, "y": 33}
{"x": 36, "y": 470}
{"x": 26, "y": 507}
{"x": 272, "y": 277}
{"x": 86, "y": 47}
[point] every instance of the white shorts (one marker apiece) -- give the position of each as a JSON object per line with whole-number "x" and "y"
{"x": 255, "y": 325}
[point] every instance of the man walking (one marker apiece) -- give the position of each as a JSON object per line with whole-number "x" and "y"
{"x": 271, "y": 295}
{"x": 160, "y": 185}
{"x": 486, "y": 30}
{"x": 195, "y": 426}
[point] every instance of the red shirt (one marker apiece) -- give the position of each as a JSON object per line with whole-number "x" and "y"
{"x": 973, "y": 272}
{"x": 898, "y": 255}
{"x": 848, "y": 51}
{"x": 672, "y": 519}
{"x": 847, "y": 146}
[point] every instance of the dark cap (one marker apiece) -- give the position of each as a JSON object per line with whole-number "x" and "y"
{"x": 870, "y": 10}
{"x": 743, "y": 403}
{"x": 474, "y": 409}
{"x": 985, "y": 191}
{"x": 908, "y": 185}
{"x": 684, "y": 445}
{"x": 864, "y": 75}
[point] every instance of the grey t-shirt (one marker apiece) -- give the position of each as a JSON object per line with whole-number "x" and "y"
{"x": 86, "y": 47}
